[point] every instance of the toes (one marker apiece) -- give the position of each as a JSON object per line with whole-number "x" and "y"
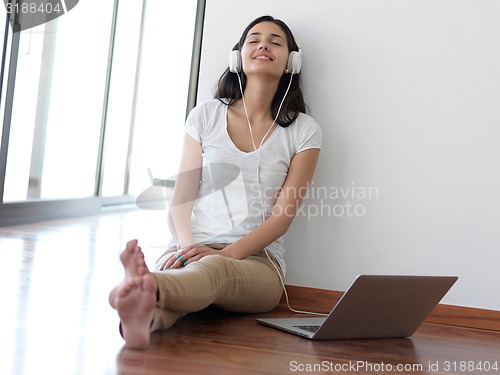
{"x": 142, "y": 270}
{"x": 124, "y": 291}
{"x": 128, "y": 251}
{"x": 135, "y": 248}
{"x": 148, "y": 283}
{"x": 131, "y": 247}
{"x": 128, "y": 286}
{"x": 132, "y": 244}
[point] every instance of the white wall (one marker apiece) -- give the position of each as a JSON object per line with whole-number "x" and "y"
{"x": 407, "y": 93}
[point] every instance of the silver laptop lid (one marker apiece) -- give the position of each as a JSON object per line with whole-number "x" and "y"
{"x": 381, "y": 306}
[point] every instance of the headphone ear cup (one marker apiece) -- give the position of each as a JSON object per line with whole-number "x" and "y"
{"x": 294, "y": 62}
{"x": 235, "y": 61}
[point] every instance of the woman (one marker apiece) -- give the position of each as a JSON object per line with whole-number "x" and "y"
{"x": 254, "y": 150}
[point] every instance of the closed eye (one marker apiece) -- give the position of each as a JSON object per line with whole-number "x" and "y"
{"x": 274, "y": 39}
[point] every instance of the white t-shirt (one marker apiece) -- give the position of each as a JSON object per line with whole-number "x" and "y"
{"x": 237, "y": 185}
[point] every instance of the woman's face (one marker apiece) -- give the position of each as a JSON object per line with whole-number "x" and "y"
{"x": 265, "y": 50}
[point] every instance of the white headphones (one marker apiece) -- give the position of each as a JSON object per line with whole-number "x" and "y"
{"x": 293, "y": 66}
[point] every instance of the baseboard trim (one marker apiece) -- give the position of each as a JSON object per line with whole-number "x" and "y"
{"x": 467, "y": 317}
{"x": 323, "y": 300}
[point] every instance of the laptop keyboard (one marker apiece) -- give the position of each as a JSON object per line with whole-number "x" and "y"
{"x": 312, "y": 329}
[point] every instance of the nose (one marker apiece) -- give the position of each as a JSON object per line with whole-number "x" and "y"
{"x": 264, "y": 46}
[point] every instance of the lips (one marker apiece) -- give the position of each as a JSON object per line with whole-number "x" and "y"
{"x": 263, "y": 57}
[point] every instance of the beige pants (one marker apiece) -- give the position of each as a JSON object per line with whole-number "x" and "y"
{"x": 249, "y": 285}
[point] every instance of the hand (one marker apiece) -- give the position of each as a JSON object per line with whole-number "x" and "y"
{"x": 188, "y": 255}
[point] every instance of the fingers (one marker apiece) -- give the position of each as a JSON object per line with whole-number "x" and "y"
{"x": 168, "y": 263}
{"x": 186, "y": 256}
{"x": 180, "y": 259}
{"x": 176, "y": 260}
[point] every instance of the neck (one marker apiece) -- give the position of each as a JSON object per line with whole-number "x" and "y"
{"x": 259, "y": 95}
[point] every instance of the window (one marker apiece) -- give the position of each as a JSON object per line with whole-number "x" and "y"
{"x": 98, "y": 101}
{"x": 58, "y": 104}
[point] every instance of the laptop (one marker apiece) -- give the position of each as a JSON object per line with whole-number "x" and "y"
{"x": 374, "y": 306}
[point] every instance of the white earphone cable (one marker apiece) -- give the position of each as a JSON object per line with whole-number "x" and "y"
{"x": 257, "y": 150}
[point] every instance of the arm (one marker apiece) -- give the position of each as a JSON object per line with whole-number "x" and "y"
{"x": 299, "y": 177}
{"x": 186, "y": 186}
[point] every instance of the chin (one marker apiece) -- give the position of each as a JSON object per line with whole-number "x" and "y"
{"x": 264, "y": 73}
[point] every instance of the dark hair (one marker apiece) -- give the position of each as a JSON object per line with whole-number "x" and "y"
{"x": 228, "y": 86}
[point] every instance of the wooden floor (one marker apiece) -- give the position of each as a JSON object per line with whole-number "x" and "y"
{"x": 55, "y": 318}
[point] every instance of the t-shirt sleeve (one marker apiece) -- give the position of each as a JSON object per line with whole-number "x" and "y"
{"x": 194, "y": 123}
{"x": 310, "y": 136}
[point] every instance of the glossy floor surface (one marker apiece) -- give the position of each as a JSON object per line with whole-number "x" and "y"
{"x": 55, "y": 318}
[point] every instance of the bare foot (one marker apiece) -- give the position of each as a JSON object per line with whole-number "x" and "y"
{"x": 134, "y": 265}
{"x": 135, "y": 304}
{"x": 132, "y": 259}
